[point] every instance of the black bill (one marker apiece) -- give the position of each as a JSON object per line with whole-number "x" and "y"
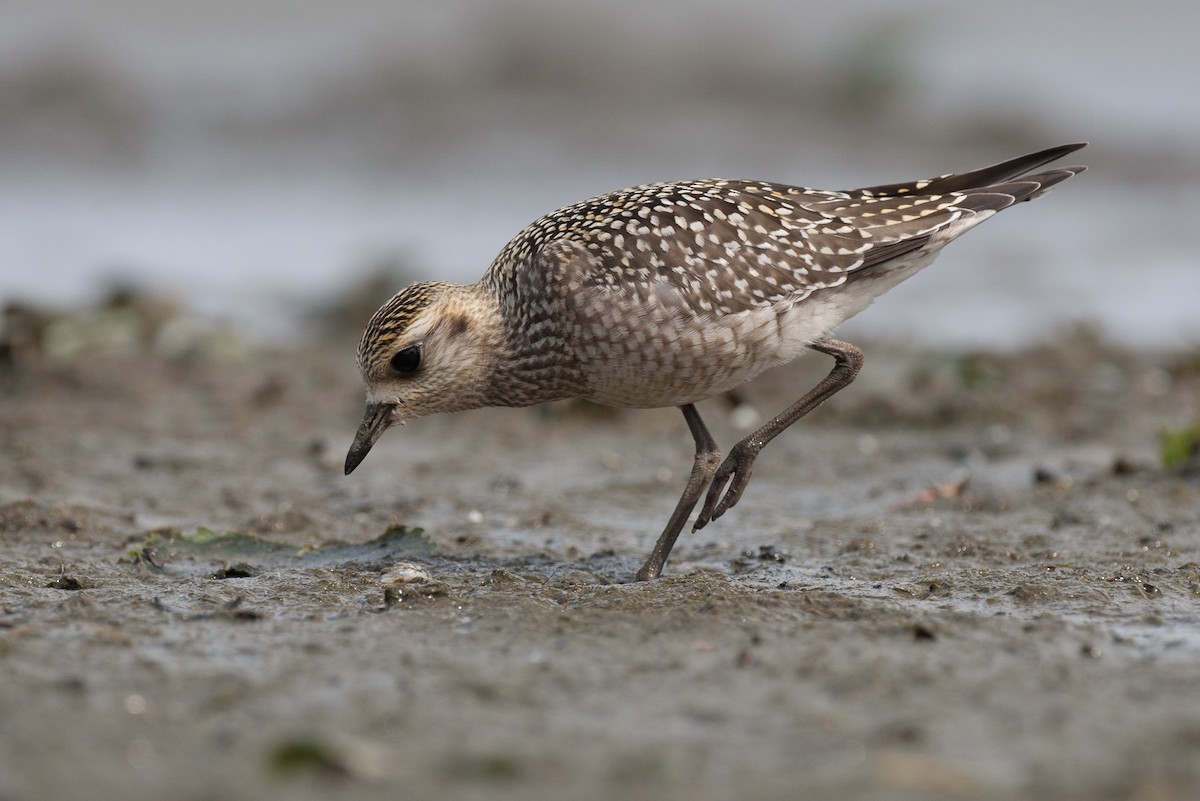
{"x": 376, "y": 420}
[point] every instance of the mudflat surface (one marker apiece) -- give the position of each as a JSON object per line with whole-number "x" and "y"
{"x": 968, "y": 576}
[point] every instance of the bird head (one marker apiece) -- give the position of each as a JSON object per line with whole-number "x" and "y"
{"x": 429, "y": 349}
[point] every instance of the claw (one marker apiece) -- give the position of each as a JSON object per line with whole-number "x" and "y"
{"x": 707, "y": 512}
{"x": 727, "y": 486}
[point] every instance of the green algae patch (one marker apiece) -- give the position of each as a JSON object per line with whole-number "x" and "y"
{"x": 311, "y": 756}
{"x": 245, "y": 554}
{"x": 229, "y": 543}
{"x": 412, "y": 541}
{"x": 396, "y": 542}
{"x": 1180, "y": 448}
{"x": 170, "y": 544}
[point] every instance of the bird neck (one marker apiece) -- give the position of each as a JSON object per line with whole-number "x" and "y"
{"x": 535, "y": 362}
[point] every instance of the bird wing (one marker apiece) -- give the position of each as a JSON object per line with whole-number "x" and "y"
{"x": 715, "y": 247}
{"x": 721, "y": 247}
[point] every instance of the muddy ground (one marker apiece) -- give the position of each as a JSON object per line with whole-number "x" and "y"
{"x": 968, "y": 576}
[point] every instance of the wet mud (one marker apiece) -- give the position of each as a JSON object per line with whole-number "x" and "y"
{"x": 970, "y": 575}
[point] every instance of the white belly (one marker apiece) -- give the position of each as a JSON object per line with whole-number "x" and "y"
{"x": 671, "y": 364}
{"x": 643, "y": 358}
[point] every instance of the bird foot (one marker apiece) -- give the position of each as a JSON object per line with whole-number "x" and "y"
{"x": 727, "y": 485}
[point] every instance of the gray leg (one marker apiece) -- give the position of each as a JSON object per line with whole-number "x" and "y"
{"x": 735, "y": 470}
{"x": 707, "y": 459}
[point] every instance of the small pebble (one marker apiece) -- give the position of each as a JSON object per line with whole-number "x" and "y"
{"x": 405, "y": 573}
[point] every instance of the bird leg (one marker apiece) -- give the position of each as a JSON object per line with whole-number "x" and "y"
{"x": 735, "y": 470}
{"x": 707, "y": 459}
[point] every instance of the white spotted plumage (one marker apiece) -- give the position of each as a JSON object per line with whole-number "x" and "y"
{"x": 669, "y": 293}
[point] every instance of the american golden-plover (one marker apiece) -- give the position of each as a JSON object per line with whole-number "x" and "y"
{"x": 667, "y": 294}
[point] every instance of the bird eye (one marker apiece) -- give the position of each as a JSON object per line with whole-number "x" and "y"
{"x": 407, "y": 360}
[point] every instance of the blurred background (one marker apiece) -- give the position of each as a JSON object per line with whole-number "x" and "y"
{"x": 256, "y": 159}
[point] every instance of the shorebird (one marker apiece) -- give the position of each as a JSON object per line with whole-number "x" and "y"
{"x": 669, "y": 293}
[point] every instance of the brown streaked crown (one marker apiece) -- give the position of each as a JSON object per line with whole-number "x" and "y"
{"x": 389, "y": 325}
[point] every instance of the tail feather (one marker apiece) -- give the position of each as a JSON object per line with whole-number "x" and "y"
{"x": 983, "y": 177}
{"x": 997, "y": 196}
{"x": 924, "y": 219}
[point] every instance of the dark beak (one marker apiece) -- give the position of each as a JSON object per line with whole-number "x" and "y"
{"x": 376, "y": 420}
